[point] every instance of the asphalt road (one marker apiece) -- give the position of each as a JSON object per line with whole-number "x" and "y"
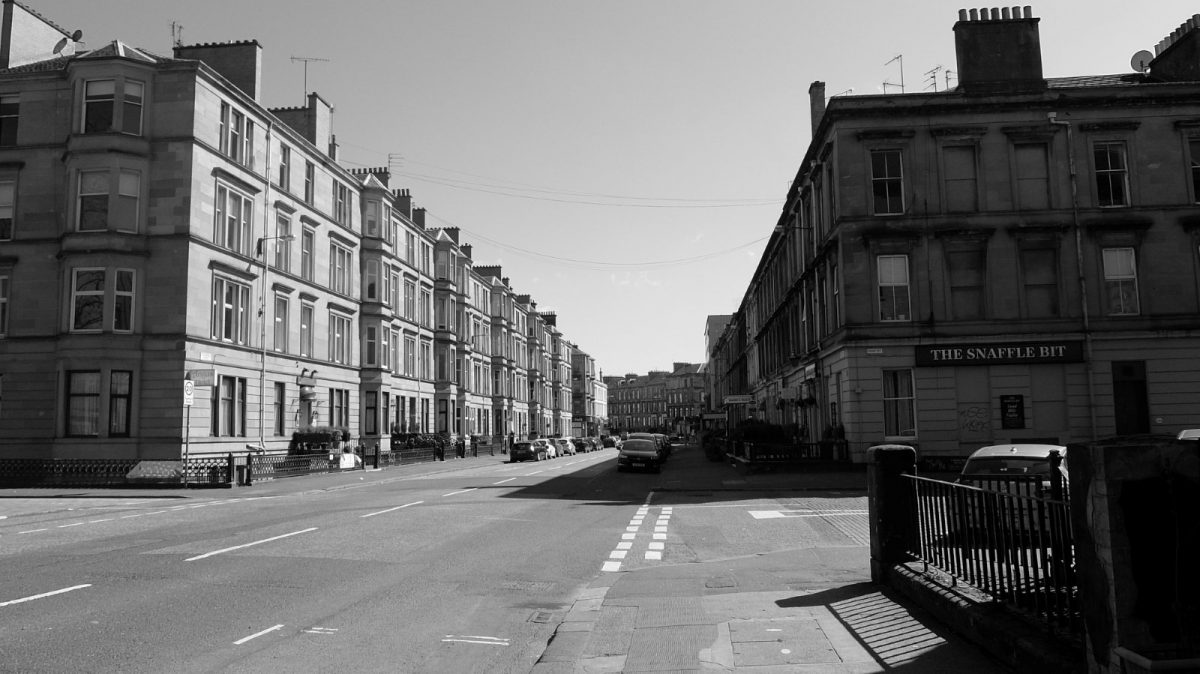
{"x": 457, "y": 571}
{"x": 461, "y": 566}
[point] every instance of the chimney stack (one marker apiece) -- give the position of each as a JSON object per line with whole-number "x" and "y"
{"x": 238, "y": 62}
{"x": 1177, "y": 56}
{"x": 999, "y": 51}
{"x": 816, "y": 104}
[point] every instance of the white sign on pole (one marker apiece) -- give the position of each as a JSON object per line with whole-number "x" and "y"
{"x": 189, "y": 392}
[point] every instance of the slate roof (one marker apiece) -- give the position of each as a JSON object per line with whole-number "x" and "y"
{"x": 114, "y": 49}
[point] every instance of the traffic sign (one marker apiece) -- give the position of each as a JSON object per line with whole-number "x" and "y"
{"x": 189, "y": 392}
{"x": 738, "y": 400}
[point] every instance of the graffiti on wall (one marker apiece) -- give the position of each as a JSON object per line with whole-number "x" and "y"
{"x": 974, "y": 421}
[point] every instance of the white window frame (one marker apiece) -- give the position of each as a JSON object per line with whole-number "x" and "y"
{"x": 887, "y": 283}
{"x": 890, "y": 207}
{"x": 341, "y": 269}
{"x": 1118, "y": 176}
{"x": 231, "y": 311}
{"x": 233, "y": 231}
{"x": 281, "y": 318}
{"x": 88, "y": 296}
{"x": 124, "y": 300}
{"x": 308, "y": 315}
{"x": 1120, "y": 276}
{"x": 341, "y": 339}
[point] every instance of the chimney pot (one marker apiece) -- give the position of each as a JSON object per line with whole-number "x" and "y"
{"x": 1028, "y": 12}
{"x": 974, "y": 14}
{"x": 1004, "y": 14}
{"x": 962, "y": 15}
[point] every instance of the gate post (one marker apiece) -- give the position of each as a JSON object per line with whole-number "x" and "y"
{"x": 891, "y": 502}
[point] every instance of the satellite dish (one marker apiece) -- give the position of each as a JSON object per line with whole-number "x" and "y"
{"x": 1141, "y": 61}
{"x": 62, "y": 44}
{"x": 76, "y": 35}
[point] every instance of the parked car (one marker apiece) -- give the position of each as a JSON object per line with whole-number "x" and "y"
{"x": 1003, "y": 467}
{"x": 1022, "y": 470}
{"x": 657, "y": 438}
{"x": 608, "y": 441}
{"x": 523, "y": 450}
{"x": 665, "y": 442}
{"x": 639, "y": 454}
{"x": 582, "y": 445}
{"x": 565, "y": 445}
{"x": 549, "y": 446}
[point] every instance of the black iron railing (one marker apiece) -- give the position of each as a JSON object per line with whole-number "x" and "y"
{"x": 1009, "y": 539}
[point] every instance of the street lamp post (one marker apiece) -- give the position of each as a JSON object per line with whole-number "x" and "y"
{"x": 261, "y": 253}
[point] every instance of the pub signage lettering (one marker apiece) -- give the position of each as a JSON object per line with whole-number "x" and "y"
{"x": 943, "y": 355}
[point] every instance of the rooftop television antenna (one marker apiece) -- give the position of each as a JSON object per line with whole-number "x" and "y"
{"x": 886, "y": 84}
{"x": 305, "y": 60}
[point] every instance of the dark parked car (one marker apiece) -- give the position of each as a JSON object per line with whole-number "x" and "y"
{"x": 638, "y": 453}
{"x": 522, "y": 450}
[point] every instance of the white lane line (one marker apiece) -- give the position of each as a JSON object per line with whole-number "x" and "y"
{"x": 503, "y": 481}
{"x": 660, "y": 537}
{"x": 657, "y": 545}
{"x": 472, "y": 639}
{"x": 246, "y": 545}
{"x": 243, "y": 640}
{"x": 32, "y": 531}
{"x": 463, "y": 491}
{"x": 64, "y": 526}
{"x": 392, "y": 509}
{"x": 107, "y": 519}
{"x": 321, "y": 630}
{"x": 43, "y": 595}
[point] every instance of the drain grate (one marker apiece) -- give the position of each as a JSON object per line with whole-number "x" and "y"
{"x": 540, "y": 617}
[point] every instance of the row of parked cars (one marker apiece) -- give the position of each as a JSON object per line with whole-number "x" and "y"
{"x": 542, "y": 449}
{"x": 644, "y": 451}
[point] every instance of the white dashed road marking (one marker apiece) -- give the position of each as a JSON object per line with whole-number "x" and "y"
{"x": 243, "y": 640}
{"x": 246, "y": 545}
{"x": 43, "y": 595}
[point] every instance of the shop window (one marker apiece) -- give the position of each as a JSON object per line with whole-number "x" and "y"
{"x": 899, "y": 404}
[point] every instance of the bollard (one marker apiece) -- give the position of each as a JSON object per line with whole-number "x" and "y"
{"x": 249, "y": 468}
{"x": 377, "y": 453}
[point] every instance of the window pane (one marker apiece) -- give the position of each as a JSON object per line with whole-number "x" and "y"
{"x": 83, "y": 403}
{"x": 131, "y": 110}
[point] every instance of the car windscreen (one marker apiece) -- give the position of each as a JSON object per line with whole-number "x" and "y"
{"x": 1006, "y": 465}
{"x": 639, "y": 445}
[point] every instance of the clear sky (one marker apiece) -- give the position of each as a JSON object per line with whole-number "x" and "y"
{"x": 624, "y": 161}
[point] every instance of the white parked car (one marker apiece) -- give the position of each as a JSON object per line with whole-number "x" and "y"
{"x": 548, "y": 445}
